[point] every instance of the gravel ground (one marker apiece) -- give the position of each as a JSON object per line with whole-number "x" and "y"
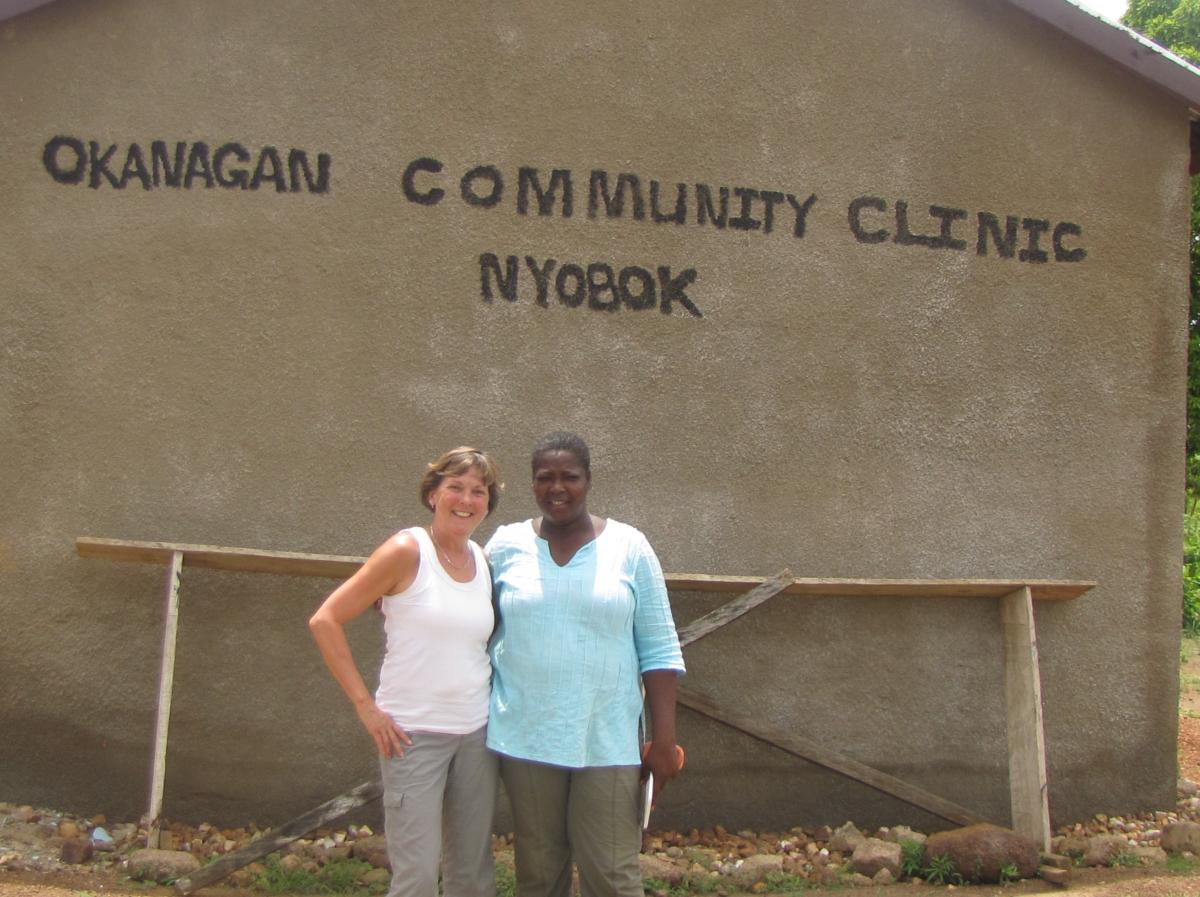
{"x": 48, "y": 878}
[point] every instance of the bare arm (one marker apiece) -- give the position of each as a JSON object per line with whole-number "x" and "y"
{"x": 662, "y": 760}
{"x": 390, "y": 568}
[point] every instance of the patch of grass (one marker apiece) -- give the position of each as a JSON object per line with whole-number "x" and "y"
{"x": 1009, "y": 872}
{"x": 912, "y": 858}
{"x": 654, "y": 886}
{"x": 701, "y": 884}
{"x": 941, "y": 871}
{"x": 136, "y": 884}
{"x": 506, "y": 881}
{"x": 1125, "y": 859}
{"x": 785, "y": 883}
{"x": 336, "y": 877}
{"x": 276, "y": 879}
{"x": 1181, "y": 864}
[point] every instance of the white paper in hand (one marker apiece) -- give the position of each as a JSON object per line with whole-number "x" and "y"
{"x": 647, "y": 799}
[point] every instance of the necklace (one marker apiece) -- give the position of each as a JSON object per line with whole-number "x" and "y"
{"x": 445, "y": 557}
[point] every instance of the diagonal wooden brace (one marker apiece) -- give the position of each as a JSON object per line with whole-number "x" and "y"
{"x": 801, "y": 747}
{"x": 281, "y": 836}
{"x": 731, "y": 610}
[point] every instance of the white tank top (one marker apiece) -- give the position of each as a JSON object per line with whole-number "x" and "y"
{"x": 436, "y": 674}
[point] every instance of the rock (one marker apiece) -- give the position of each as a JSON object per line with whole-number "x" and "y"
{"x": 898, "y": 834}
{"x": 68, "y": 829}
{"x": 291, "y": 862}
{"x": 829, "y": 875}
{"x": 11, "y": 860}
{"x": 1102, "y": 848}
{"x": 872, "y": 854}
{"x": 376, "y": 876}
{"x": 102, "y": 840}
{"x": 1180, "y": 836}
{"x": 883, "y": 877}
{"x": 846, "y": 838}
{"x": 1151, "y": 856}
{"x": 124, "y": 832}
{"x": 979, "y": 852}
{"x": 76, "y": 851}
{"x": 242, "y": 878}
{"x": 163, "y": 866}
{"x": 372, "y": 849}
{"x": 1187, "y": 788}
{"x": 756, "y": 868}
{"x": 333, "y": 854}
{"x": 1069, "y": 845}
{"x": 1056, "y": 876}
{"x": 663, "y": 869}
{"x": 169, "y": 841}
{"x": 858, "y": 880}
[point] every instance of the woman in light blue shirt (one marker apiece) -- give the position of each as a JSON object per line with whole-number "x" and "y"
{"x": 584, "y": 624}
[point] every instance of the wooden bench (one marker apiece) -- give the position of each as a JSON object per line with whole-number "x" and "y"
{"x": 1026, "y": 744}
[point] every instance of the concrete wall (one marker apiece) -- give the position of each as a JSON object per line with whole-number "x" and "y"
{"x": 269, "y": 364}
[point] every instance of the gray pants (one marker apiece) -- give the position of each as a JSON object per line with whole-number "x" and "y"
{"x": 438, "y": 801}
{"x": 587, "y": 815}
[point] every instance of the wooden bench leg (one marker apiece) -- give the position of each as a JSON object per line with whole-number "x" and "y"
{"x": 166, "y": 679}
{"x": 1026, "y": 738}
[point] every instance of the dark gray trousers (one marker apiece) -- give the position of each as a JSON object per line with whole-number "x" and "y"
{"x": 587, "y": 815}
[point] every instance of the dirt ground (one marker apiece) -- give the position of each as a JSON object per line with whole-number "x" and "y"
{"x": 1086, "y": 883}
{"x": 1189, "y": 710}
{"x": 1151, "y": 882}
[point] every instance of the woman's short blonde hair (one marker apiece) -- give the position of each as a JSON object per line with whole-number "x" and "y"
{"x": 455, "y": 463}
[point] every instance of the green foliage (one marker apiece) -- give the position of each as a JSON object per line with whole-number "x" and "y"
{"x": 1182, "y": 865}
{"x": 1009, "y": 872}
{"x": 912, "y": 858}
{"x": 785, "y": 883}
{"x": 1174, "y": 24}
{"x": 1126, "y": 859}
{"x": 941, "y": 871}
{"x": 702, "y": 884}
{"x": 336, "y": 877}
{"x": 1191, "y": 573}
{"x": 506, "y": 881}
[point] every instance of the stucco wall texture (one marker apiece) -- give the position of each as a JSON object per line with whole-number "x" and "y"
{"x": 271, "y": 368}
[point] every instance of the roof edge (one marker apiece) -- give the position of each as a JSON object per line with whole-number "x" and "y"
{"x": 1122, "y": 45}
{"x": 10, "y": 8}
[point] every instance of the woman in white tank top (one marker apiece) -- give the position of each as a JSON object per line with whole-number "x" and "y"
{"x": 428, "y": 718}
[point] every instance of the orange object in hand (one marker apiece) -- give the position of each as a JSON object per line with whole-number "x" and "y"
{"x": 678, "y": 752}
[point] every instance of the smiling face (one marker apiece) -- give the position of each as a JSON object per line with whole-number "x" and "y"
{"x": 460, "y": 503}
{"x": 560, "y": 486}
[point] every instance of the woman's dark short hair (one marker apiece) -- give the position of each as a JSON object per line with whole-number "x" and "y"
{"x": 455, "y": 463}
{"x": 562, "y": 441}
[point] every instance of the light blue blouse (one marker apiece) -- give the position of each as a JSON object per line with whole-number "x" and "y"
{"x": 572, "y": 644}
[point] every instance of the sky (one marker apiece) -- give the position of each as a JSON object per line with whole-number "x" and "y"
{"x": 1110, "y": 9}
